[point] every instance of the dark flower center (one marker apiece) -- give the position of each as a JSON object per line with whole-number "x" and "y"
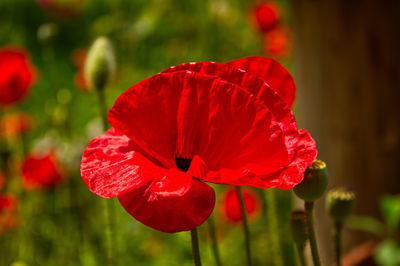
{"x": 183, "y": 163}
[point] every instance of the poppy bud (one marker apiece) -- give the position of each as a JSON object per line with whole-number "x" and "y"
{"x": 100, "y": 63}
{"x": 314, "y": 183}
{"x": 47, "y": 32}
{"x": 339, "y": 203}
{"x": 298, "y": 227}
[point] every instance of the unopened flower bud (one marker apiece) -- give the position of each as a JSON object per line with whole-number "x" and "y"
{"x": 47, "y": 32}
{"x": 100, "y": 63}
{"x": 298, "y": 227}
{"x": 314, "y": 183}
{"x": 340, "y": 203}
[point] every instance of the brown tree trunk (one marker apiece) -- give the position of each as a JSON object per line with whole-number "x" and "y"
{"x": 346, "y": 65}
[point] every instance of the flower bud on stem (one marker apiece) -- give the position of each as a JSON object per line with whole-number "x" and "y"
{"x": 310, "y": 189}
{"x": 299, "y": 233}
{"x": 340, "y": 203}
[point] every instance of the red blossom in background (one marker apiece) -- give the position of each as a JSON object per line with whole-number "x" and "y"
{"x": 8, "y": 212}
{"x": 78, "y": 58}
{"x": 63, "y": 9}
{"x": 2, "y": 180}
{"x": 278, "y": 42}
{"x": 15, "y": 124}
{"x": 266, "y": 16}
{"x": 16, "y": 75}
{"x": 207, "y": 120}
{"x": 231, "y": 209}
{"x": 41, "y": 171}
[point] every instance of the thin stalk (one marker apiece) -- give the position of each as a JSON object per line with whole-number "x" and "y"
{"x": 245, "y": 225}
{"x": 300, "y": 253}
{"x": 103, "y": 107}
{"x": 214, "y": 242}
{"x": 338, "y": 247}
{"x": 195, "y": 247}
{"x": 309, "y": 206}
{"x": 108, "y": 207}
{"x": 272, "y": 217}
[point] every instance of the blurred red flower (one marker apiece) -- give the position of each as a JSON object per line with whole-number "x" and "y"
{"x": 78, "y": 58}
{"x": 277, "y": 42}
{"x": 266, "y": 15}
{"x": 194, "y": 123}
{"x": 15, "y": 124}
{"x": 8, "y": 212}
{"x": 41, "y": 171}
{"x": 16, "y": 75}
{"x": 63, "y": 9}
{"x": 2, "y": 180}
{"x": 231, "y": 209}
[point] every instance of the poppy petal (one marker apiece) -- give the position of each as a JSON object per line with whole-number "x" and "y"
{"x": 170, "y": 214}
{"x": 246, "y": 80}
{"x": 263, "y": 176}
{"x": 272, "y": 72}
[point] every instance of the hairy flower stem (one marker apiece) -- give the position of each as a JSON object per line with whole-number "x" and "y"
{"x": 272, "y": 217}
{"x": 195, "y": 247}
{"x": 245, "y": 225}
{"x": 338, "y": 247}
{"x": 309, "y": 206}
{"x": 108, "y": 204}
{"x": 103, "y": 107}
{"x": 214, "y": 242}
{"x": 300, "y": 253}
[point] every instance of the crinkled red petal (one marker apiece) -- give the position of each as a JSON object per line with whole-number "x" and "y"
{"x": 247, "y": 81}
{"x": 265, "y": 176}
{"x": 170, "y": 214}
{"x": 111, "y": 166}
{"x": 272, "y": 72}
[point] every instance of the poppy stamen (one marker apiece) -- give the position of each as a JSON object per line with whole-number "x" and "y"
{"x": 183, "y": 163}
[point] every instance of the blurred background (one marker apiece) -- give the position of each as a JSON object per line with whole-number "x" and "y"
{"x": 344, "y": 58}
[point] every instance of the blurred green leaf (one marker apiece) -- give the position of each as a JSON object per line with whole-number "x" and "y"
{"x": 390, "y": 206}
{"x": 388, "y": 254}
{"x": 367, "y": 224}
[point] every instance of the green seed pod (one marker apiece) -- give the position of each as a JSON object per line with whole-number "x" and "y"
{"x": 314, "y": 183}
{"x": 100, "y": 63}
{"x": 298, "y": 227}
{"x": 340, "y": 203}
{"x": 47, "y": 32}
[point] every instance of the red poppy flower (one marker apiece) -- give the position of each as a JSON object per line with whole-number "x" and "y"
{"x": 16, "y": 75}
{"x": 63, "y": 9}
{"x": 194, "y": 123}
{"x": 277, "y": 42}
{"x": 8, "y": 212}
{"x": 15, "y": 124}
{"x": 231, "y": 207}
{"x": 266, "y": 15}
{"x": 2, "y": 180}
{"x": 78, "y": 58}
{"x": 41, "y": 171}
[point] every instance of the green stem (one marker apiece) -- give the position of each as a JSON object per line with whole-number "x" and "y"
{"x": 108, "y": 231}
{"x": 195, "y": 247}
{"x": 309, "y": 206}
{"x": 214, "y": 242}
{"x": 338, "y": 247}
{"x": 103, "y": 107}
{"x": 108, "y": 208}
{"x": 300, "y": 253}
{"x": 245, "y": 225}
{"x": 272, "y": 217}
